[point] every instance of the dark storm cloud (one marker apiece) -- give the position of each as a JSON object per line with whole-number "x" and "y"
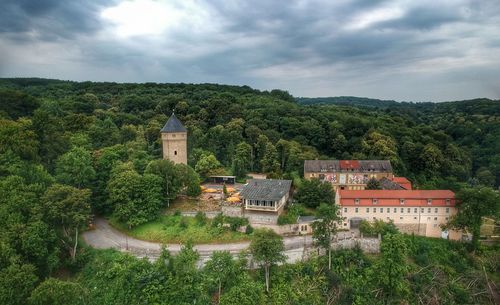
{"x": 317, "y": 47}
{"x": 49, "y": 19}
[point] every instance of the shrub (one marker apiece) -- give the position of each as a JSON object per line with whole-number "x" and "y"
{"x": 201, "y": 219}
{"x": 177, "y": 213}
{"x": 183, "y": 223}
{"x": 377, "y": 227}
{"x": 236, "y": 222}
{"x": 249, "y": 230}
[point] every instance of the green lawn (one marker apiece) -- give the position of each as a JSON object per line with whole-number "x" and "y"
{"x": 179, "y": 229}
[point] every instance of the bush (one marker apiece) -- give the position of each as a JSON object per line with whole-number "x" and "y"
{"x": 236, "y": 222}
{"x": 377, "y": 227}
{"x": 201, "y": 219}
{"x": 249, "y": 230}
{"x": 183, "y": 223}
{"x": 177, "y": 213}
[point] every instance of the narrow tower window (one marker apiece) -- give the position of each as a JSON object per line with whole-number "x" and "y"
{"x": 175, "y": 152}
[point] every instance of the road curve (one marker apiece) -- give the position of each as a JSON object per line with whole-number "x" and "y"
{"x": 104, "y": 236}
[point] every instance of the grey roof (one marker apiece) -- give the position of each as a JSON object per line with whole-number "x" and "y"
{"x": 266, "y": 189}
{"x": 330, "y": 166}
{"x": 387, "y": 184}
{"x": 173, "y": 125}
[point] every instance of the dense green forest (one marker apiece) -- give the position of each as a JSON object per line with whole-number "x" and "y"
{"x": 70, "y": 150}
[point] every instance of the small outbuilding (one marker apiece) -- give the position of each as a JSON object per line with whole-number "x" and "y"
{"x": 223, "y": 179}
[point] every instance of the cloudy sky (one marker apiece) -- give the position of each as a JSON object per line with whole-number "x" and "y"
{"x": 409, "y": 50}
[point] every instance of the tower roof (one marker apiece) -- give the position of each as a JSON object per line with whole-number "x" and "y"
{"x": 173, "y": 125}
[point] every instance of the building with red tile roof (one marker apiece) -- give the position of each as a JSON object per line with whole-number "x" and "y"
{"x": 420, "y": 212}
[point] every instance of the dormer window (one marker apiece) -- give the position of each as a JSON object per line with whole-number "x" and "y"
{"x": 375, "y": 201}
{"x": 401, "y": 201}
{"x": 356, "y": 201}
{"x": 448, "y": 201}
{"x": 429, "y": 201}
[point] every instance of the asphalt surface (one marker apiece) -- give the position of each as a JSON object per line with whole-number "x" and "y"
{"x": 103, "y": 236}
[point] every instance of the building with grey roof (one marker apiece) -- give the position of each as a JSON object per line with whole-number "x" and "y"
{"x": 266, "y": 194}
{"x": 347, "y": 174}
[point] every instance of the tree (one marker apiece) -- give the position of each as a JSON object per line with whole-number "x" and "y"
{"x": 57, "y": 292}
{"x": 242, "y": 159}
{"x": 172, "y": 179}
{"x": 267, "y": 249}
{"x": 473, "y": 205}
{"x": 75, "y": 168}
{"x": 325, "y": 227}
{"x": 19, "y": 138}
{"x": 389, "y": 272}
{"x": 247, "y": 292}
{"x": 373, "y": 184}
{"x": 485, "y": 177}
{"x": 190, "y": 180}
{"x": 269, "y": 161}
{"x": 16, "y": 284}
{"x": 69, "y": 208}
{"x": 222, "y": 269}
{"x": 313, "y": 192}
{"x": 207, "y": 165}
{"x": 136, "y": 199}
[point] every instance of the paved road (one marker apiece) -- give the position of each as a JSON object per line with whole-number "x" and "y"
{"x": 104, "y": 236}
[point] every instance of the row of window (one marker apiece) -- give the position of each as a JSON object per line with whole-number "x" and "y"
{"x": 395, "y": 210}
{"x": 402, "y": 218}
{"x": 401, "y": 201}
{"x": 263, "y": 203}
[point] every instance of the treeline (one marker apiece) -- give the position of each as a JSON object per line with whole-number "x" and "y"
{"x": 443, "y": 145}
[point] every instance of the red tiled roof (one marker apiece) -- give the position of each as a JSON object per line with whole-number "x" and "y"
{"x": 403, "y": 182}
{"x": 349, "y": 164}
{"x": 412, "y": 198}
{"x": 398, "y": 194}
{"x": 400, "y": 180}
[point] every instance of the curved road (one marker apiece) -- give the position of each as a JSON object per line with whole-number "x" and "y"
{"x": 104, "y": 237}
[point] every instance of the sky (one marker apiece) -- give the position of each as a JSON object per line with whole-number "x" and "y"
{"x": 408, "y": 50}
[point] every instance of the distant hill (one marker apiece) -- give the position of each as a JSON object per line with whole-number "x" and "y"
{"x": 347, "y": 101}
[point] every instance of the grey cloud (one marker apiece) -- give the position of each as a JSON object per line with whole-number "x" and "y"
{"x": 310, "y": 35}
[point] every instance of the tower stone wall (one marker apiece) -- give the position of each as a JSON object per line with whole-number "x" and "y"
{"x": 175, "y": 146}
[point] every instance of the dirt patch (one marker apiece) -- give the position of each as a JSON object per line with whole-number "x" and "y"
{"x": 185, "y": 204}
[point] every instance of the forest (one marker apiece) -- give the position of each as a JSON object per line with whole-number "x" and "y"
{"x": 72, "y": 150}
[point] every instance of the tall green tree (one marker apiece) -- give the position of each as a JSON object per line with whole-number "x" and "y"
{"x": 57, "y": 292}
{"x": 313, "y": 192}
{"x": 267, "y": 249}
{"x": 207, "y": 165}
{"x": 69, "y": 208}
{"x": 269, "y": 161}
{"x": 325, "y": 227}
{"x": 242, "y": 159}
{"x": 75, "y": 168}
{"x": 136, "y": 199}
{"x": 16, "y": 284}
{"x": 390, "y": 271}
{"x": 223, "y": 270}
{"x": 473, "y": 205}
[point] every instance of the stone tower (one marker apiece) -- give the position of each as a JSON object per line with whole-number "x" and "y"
{"x": 174, "y": 140}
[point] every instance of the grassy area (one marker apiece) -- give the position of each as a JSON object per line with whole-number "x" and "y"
{"x": 179, "y": 229}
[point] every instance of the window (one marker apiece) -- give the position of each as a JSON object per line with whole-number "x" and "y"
{"x": 415, "y": 217}
{"x": 428, "y": 210}
{"x": 435, "y": 218}
{"x": 356, "y": 201}
{"x": 395, "y": 210}
{"x": 446, "y": 218}
{"x": 421, "y": 210}
{"x": 415, "y": 210}
{"x": 388, "y": 210}
{"x": 401, "y": 201}
{"x": 435, "y": 210}
{"x": 374, "y": 210}
{"x": 356, "y": 210}
{"x": 367, "y": 210}
{"x": 374, "y": 218}
{"x": 345, "y": 224}
{"x": 400, "y": 218}
{"x": 375, "y": 201}
{"x": 429, "y": 201}
{"x": 447, "y": 210}
{"x": 402, "y": 210}
{"x": 175, "y": 152}
{"x": 448, "y": 201}
{"x": 345, "y": 210}
{"x": 408, "y": 210}
{"x": 381, "y": 210}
